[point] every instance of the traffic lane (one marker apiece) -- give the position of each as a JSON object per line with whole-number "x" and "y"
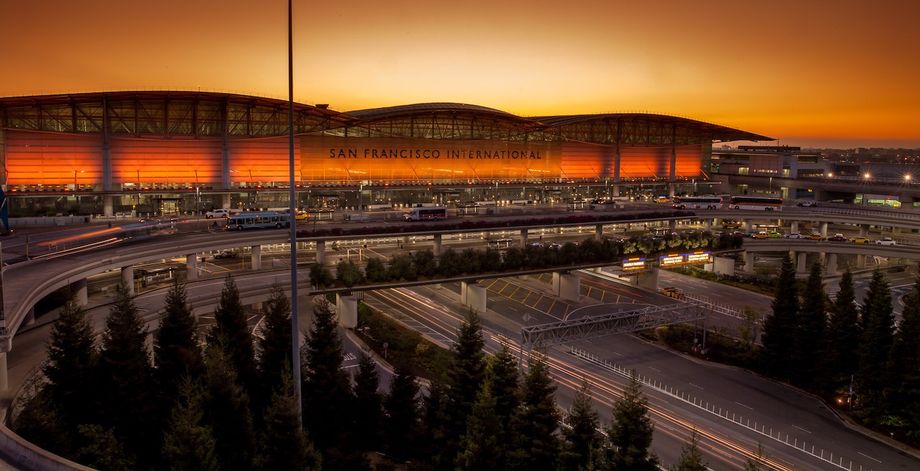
{"x": 722, "y": 293}
{"x": 779, "y": 407}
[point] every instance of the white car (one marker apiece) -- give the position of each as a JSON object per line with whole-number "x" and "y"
{"x": 794, "y": 235}
{"x": 886, "y": 241}
{"x": 220, "y": 213}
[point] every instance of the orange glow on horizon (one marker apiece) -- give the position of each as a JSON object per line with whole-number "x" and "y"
{"x": 803, "y": 71}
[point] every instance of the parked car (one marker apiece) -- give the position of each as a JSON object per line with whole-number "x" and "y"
{"x": 221, "y": 213}
{"x": 807, "y": 204}
{"x": 794, "y": 235}
{"x": 886, "y": 241}
{"x": 775, "y": 235}
{"x": 838, "y": 238}
{"x": 861, "y": 240}
{"x": 760, "y": 235}
{"x": 815, "y": 236}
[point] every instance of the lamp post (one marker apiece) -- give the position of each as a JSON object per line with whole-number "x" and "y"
{"x": 295, "y": 325}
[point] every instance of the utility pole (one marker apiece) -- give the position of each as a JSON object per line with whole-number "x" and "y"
{"x": 292, "y": 194}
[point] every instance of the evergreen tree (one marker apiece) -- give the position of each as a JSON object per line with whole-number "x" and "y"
{"x": 39, "y": 422}
{"x": 189, "y": 444}
{"x": 536, "y": 444}
{"x": 368, "y": 412}
{"x": 274, "y": 345}
{"x": 283, "y": 444}
{"x": 126, "y": 377}
{"x": 348, "y": 273}
{"x": 780, "y": 326}
{"x": 875, "y": 347}
{"x": 375, "y": 270}
{"x": 226, "y": 410}
{"x": 401, "y": 406}
{"x": 481, "y": 447}
{"x": 71, "y": 365}
{"x": 504, "y": 383}
{"x": 691, "y": 459}
{"x": 433, "y": 439}
{"x": 843, "y": 335}
{"x": 904, "y": 399}
{"x": 231, "y": 326}
{"x": 175, "y": 348}
{"x": 581, "y": 449}
{"x": 102, "y": 450}
{"x": 630, "y": 433}
{"x": 810, "y": 334}
{"x": 464, "y": 379}
{"x": 327, "y": 393}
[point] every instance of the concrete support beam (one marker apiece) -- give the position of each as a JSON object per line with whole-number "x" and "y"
{"x": 616, "y": 189}
{"x": 567, "y": 286}
{"x": 321, "y": 252}
{"x": 107, "y": 206}
{"x": 464, "y": 290}
{"x": 831, "y": 268}
{"x": 672, "y": 189}
{"x": 127, "y": 277}
{"x": 707, "y": 224}
{"x": 80, "y": 295}
{"x": 191, "y": 266}
{"x": 794, "y": 226}
{"x": 436, "y": 239}
{"x": 863, "y": 230}
{"x": 256, "y": 255}
{"x": 801, "y": 264}
{"x": 748, "y": 226}
{"x": 723, "y": 266}
{"x": 405, "y": 243}
{"x": 599, "y": 231}
{"x": 476, "y": 297}
{"x": 860, "y": 261}
{"x": 672, "y": 224}
{"x": 225, "y": 201}
{"x": 346, "y": 309}
{"x": 523, "y": 238}
{"x": 4, "y": 375}
{"x": 748, "y": 262}
{"x": 823, "y": 229}
{"x": 648, "y": 279}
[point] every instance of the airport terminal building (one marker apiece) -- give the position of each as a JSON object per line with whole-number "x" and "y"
{"x": 177, "y": 152}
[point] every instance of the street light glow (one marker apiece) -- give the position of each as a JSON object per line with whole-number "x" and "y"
{"x": 866, "y": 175}
{"x": 907, "y": 177}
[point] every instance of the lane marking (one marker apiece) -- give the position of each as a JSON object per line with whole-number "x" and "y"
{"x": 802, "y": 429}
{"x": 654, "y": 369}
{"x": 871, "y": 458}
{"x": 696, "y": 386}
{"x": 744, "y": 405}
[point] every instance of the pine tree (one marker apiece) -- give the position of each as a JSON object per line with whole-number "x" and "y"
{"x": 432, "y": 441}
{"x": 536, "y": 444}
{"x": 779, "y": 327}
{"x": 189, "y": 443}
{"x": 283, "y": 443}
{"x": 175, "y": 348}
{"x": 368, "y": 411}
{"x": 274, "y": 345}
{"x": 102, "y": 450}
{"x": 691, "y": 459}
{"x": 70, "y": 368}
{"x": 126, "y": 377}
{"x": 401, "y": 405}
{"x": 504, "y": 383}
{"x": 875, "y": 347}
{"x": 231, "y": 326}
{"x": 39, "y": 422}
{"x": 630, "y": 433}
{"x": 464, "y": 379}
{"x": 905, "y": 358}
{"x": 581, "y": 449}
{"x": 843, "y": 335}
{"x": 226, "y": 410}
{"x": 327, "y": 393}
{"x": 481, "y": 447}
{"x": 810, "y": 333}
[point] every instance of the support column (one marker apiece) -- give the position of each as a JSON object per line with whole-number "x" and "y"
{"x": 225, "y": 201}
{"x": 256, "y": 251}
{"x": 748, "y": 262}
{"x": 523, "y": 238}
{"x": 567, "y": 286}
{"x": 127, "y": 277}
{"x": 823, "y": 229}
{"x": 321, "y": 252}
{"x": 801, "y": 265}
{"x": 4, "y": 376}
{"x": 80, "y": 296}
{"x": 107, "y": 206}
{"x": 437, "y": 245}
{"x": 672, "y": 224}
{"x": 723, "y": 266}
{"x": 748, "y": 226}
{"x": 476, "y": 297}
{"x": 648, "y": 279}
{"x": 860, "y": 261}
{"x": 831, "y": 268}
{"x": 707, "y": 224}
{"x": 464, "y": 290}
{"x": 863, "y": 230}
{"x": 599, "y": 231}
{"x": 616, "y": 189}
{"x": 191, "y": 266}
{"x": 794, "y": 226}
{"x": 346, "y": 309}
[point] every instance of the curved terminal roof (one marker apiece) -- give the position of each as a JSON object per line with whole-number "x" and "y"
{"x": 204, "y": 114}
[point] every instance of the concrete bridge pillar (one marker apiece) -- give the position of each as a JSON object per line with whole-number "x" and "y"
{"x": 523, "y": 238}
{"x": 191, "y": 265}
{"x": 225, "y": 201}
{"x": 794, "y": 226}
{"x": 823, "y": 229}
{"x": 4, "y": 376}
{"x": 256, "y": 255}
{"x": 831, "y": 268}
{"x": 321, "y": 252}
{"x": 80, "y": 295}
{"x": 648, "y": 279}
{"x": 599, "y": 231}
{"x": 436, "y": 239}
{"x": 748, "y": 226}
{"x": 616, "y": 189}
{"x": 566, "y": 286}
{"x": 672, "y": 224}
{"x": 464, "y": 290}
{"x": 127, "y": 277}
{"x": 863, "y": 230}
{"x": 723, "y": 266}
{"x": 707, "y": 224}
{"x": 860, "y": 261}
{"x": 801, "y": 265}
{"x": 346, "y": 309}
{"x": 107, "y": 206}
{"x": 748, "y": 262}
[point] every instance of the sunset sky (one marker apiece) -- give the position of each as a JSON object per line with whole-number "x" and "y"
{"x": 841, "y": 73}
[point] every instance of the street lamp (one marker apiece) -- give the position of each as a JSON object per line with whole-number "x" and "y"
{"x": 295, "y": 327}
{"x": 907, "y": 177}
{"x": 867, "y": 175}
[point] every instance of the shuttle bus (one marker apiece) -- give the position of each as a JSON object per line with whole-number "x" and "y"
{"x": 698, "y": 202}
{"x": 426, "y": 214}
{"x": 500, "y": 244}
{"x": 259, "y": 220}
{"x": 756, "y": 203}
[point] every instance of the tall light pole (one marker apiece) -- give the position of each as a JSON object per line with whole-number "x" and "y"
{"x": 295, "y": 327}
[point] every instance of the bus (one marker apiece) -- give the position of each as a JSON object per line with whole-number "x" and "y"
{"x": 426, "y": 214}
{"x": 258, "y": 220}
{"x": 698, "y": 202}
{"x": 500, "y": 244}
{"x": 756, "y": 203}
